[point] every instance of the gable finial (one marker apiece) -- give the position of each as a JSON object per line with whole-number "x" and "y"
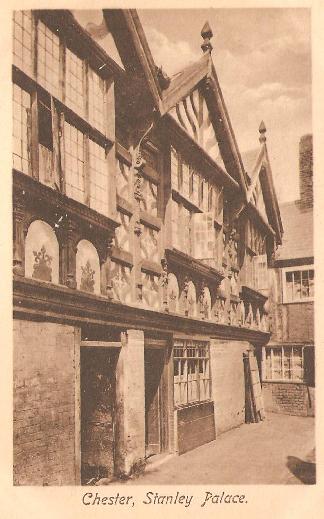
{"x": 262, "y": 131}
{"x": 206, "y": 34}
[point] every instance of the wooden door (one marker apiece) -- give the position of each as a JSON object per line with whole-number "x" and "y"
{"x": 154, "y": 363}
{"x": 98, "y": 370}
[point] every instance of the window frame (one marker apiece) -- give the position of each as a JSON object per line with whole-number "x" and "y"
{"x": 185, "y": 345}
{"x": 304, "y": 268}
{"x": 282, "y": 379}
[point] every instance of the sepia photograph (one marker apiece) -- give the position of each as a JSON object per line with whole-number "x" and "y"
{"x": 163, "y": 260}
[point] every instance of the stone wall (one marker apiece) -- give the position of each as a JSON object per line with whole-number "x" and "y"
{"x": 46, "y": 367}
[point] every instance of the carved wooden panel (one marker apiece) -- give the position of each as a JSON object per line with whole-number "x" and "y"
{"x": 87, "y": 267}
{"x": 122, "y": 232}
{"x": 149, "y": 244}
{"x": 121, "y": 282}
{"x": 42, "y": 252}
{"x": 150, "y": 291}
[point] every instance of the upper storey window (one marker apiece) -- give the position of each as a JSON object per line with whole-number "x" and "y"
{"x": 98, "y": 178}
{"x": 20, "y": 112}
{"x": 22, "y": 40}
{"x": 48, "y": 59}
{"x": 74, "y": 92}
{"x": 96, "y": 101}
{"x": 298, "y": 285}
{"x": 74, "y": 163}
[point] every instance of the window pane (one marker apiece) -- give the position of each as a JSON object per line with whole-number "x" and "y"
{"x": 305, "y": 284}
{"x": 96, "y": 101}
{"x": 48, "y": 64}
{"x": 296, "y": 285}
{"x": 191, "y": 372}
{"x": 288, "y": 375}
{"x": 298, "y": 373}
{"x": 277, "y": 363}
{"x": 98, "y": 178}
{"x": 74, "y": 163}
{"x": 268, "y": 365}
{"x": 22, "y": 41}
{"x": 20, "y": 114}
{"x": 311, "y": 283}
{"x": 74, "y": 82}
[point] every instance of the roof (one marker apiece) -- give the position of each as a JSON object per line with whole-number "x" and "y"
{"x": 182, "y": 81}
{"x": 297, "y": 239}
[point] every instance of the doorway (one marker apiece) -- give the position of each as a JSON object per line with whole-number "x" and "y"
{"x": 98, "y": 396}
{"x": 155, "y": 401}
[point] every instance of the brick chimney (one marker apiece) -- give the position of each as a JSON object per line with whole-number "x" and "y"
{"x": 306, "y": 170}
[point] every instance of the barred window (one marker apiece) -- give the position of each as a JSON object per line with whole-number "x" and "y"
{"x": 96, "y": 101}
{"x": 74, "y": 163}
{"x": 298, "y": 285}
{"x": 192, "y": 381}
{"x": 22, "y": 40}
{"x": 74, "y": 82}
{"x": 48, "y": 59}
{"x": 283, "y": 363}
{"x": 20, "y": 113}
{"x": 98, "y": 178}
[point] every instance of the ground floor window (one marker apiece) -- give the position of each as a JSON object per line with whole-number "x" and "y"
{"x": 283, "y": 363}
{"x": 192, "y": 381}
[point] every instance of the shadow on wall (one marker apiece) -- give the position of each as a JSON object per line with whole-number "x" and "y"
{"x": 305, "y": 471}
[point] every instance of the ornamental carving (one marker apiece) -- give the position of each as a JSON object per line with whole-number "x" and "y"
{"x": 138, "y": 228}
{"x": 87, "y": 278}
{"x": 232, "y": 248}
{"x": 42, "y": 267}
{"x": 164, "y": 274}
{"x": 219, "y": 311}
{"x": 138, "y": 183}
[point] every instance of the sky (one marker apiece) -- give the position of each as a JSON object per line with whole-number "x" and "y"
{"x": 263, "y": 62}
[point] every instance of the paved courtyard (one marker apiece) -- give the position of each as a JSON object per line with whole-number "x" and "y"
{"x": 279, "y": 450}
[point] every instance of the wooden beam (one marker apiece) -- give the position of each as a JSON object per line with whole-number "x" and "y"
{"x": 100, "y": 344}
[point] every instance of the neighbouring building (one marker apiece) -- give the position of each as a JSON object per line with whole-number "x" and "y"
{"x": 141, "y": 251}
{"x": 288, "y": 359}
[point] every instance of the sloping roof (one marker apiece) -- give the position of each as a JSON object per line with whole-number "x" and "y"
{"x": 298, "y": 232}
{"x": 181, "y": 82}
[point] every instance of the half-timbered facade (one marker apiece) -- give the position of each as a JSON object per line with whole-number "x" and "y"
{"x": 141, "y": 251}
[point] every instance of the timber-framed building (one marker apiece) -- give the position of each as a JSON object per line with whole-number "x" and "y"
{"x": 141, "y": 252}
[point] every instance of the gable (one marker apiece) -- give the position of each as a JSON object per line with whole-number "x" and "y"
{"x": 93, "y": 22}
{"x": 192, "y": 114}
{"x": 257, "y": 199}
